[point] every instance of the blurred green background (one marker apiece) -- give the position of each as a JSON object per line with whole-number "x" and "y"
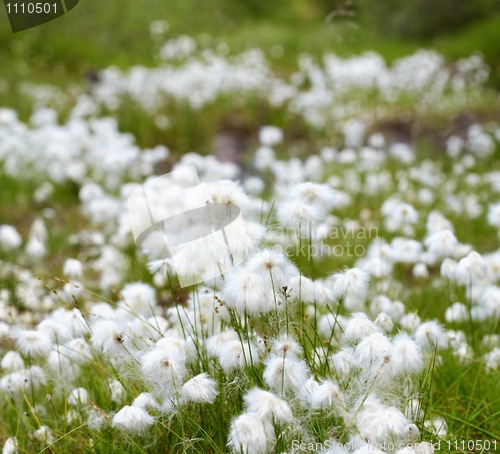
{"x": 99, "y": 33}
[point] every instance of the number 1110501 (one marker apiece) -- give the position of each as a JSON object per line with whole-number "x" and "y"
{"x": 31, "y": 8}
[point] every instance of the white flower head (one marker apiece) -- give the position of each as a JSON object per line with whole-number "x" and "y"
{"x": 328, "y": 394}
{"x": 12, "y": 361}
{"x": 109, "y": 338}
{"x": 448, "y": 268}
{"x": 306, "y": 392}
{"x": 286, "y": 347}
{"x": 295, "y": 213}
{"x": 352, "y": 286}
{"x": 217, "y": 342}
{"x": 430, "y": 335}
{"x": 200, "y": 389}
{"x": 32, "y": 343}
{"x": 373, "y": 349}
{"x": 344, "y": 362}
{"x": 9, "y": 237}
{"x": 266, "y": 405}
{"x": 249, "y": 434}
{"x": 238, "y": 354}
{"x": 146, "y": 401}
{"x": 358, "y": 327}
{"x": 10, "y": 446}
{"x": 320, "y": 195}
{"x": 133, "y": 419}
{"x": 442, "y": 243}
{"x": 162, "y": 367}
{"x": 406, "y": 355}
{"x": 73, "y": 268}
{"x": 247, "y": 292}
{"x": 44, "y": 435}
{"x": 273, "y": 266}
{"x": 78, "y": 396}
{"x": 117, "y": 391}
{"x": 471, "y": 268}
{"x": 270, "y": 135}
{"x": 283, "y": 373}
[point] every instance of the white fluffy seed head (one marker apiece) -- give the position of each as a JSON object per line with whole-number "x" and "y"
{"x": 58, "y": 333}
{"x": 358, "y": 327}
{"x": 234, "y": 355}
{"x": 406, "y": 355}
{"x": 32, "y": 343}
{"x": 286, "y": 347}
{"x": 200, "y": 389}
{"x": 266, "y": 405}
{"x": 302, "y": 289}
{"x": 73, "y": 268}
{"x": 320, "y": 195}
{"x": 388, "y": 423}
{"x": 442, "y": 244}
{"x": 162, "y": 367}
{"x": 117, "y": 391}
{"x": 146, "y": 401}
{"x": 410, "y": 321}
{"x": 471, "y": 268}
{"x": 344, "y": 362}
{"x": 10, "y": 446}
{"x": 270, "y": 135}
{"x": 217, "y": 342}
{"x": 79, "y": 351}
{"x": 133, "y": 419}
{"x": 430, "y": 335}
{"x": 283, "y": 374}
{"x": 295, "y": 213}
{"x": 352, "y": 286}
{"x": 323, "y": 295}
{"x": 328, "y": 394}
{"x": 138, "y": 298}
{"x": 44, "y": 435}
{"x": 273, "y": 266}
{"x": 177, "y": 346}
{"x": 306, "y": 392}
{"x": 373, "y": 349}
{"x": 12, "y": 361}
{"x": 246, "y": 292}
{"x": 109, "y": 338}
{"x": 457, "y": 312}
{"x": 249, "y": 434}
{"x": 9, "y": 237}
{"x": 96, "y": 419}
{"x": 448, "y": 268}
{"x": 328, "y": 322}
{"x": 78, "y": 396}
{"x": 384, "y": 322}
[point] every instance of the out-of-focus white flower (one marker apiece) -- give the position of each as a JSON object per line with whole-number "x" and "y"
{"x": 79, "y": 396}
{"x": 133, "y": 419}
{"x": 9, "y": 237}
{"x": 73, "y": 268}
{"x": 270, "y": 136}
